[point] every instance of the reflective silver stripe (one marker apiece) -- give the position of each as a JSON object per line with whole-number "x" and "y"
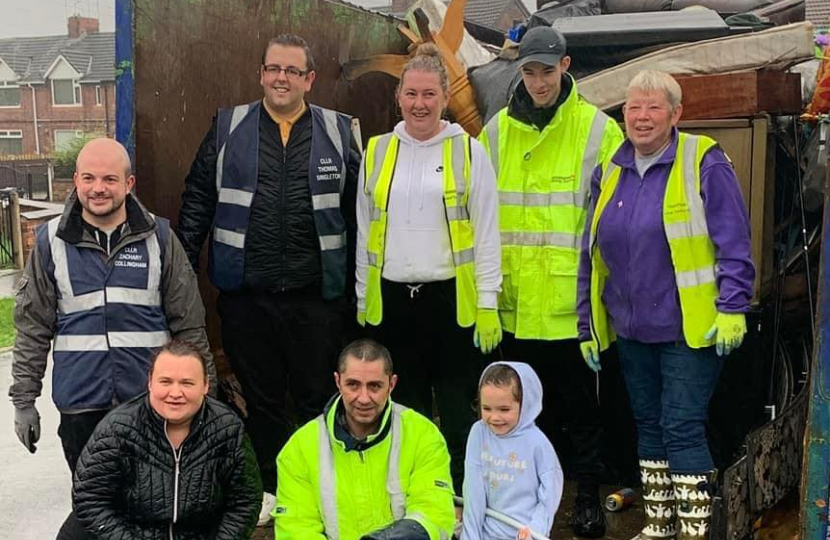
{"x": 458, "y": 153}
{"x": 393, "y": 476}
{"x": 375, "y": 214}
{"x": 328, "y": 200}
{"x": 492, "y": 129}
{"x": 381, "y": 147}
{"x": 330, "y": 119}
{"x": 690, "y": 168}
{"x": 554, "y": 198}
{"x": 84, "y": 302}
{"x": 332, "y": 241}
{"x": 463, "y": 257}
{"x": 230, "y": 238}
{"x": 372, "y": 259}
{"x": 235, "y": 196}
{"x": 238, "y": 114}
{"x": 85, "y": 343}
{"x": 591, "y": 155}
{"x": 327, "y": 481}
{"x": 138, "y": 297}
{"x": 456, "y": 213}
{"x": 58, "y": 248}
{"x": 138, "y": 339}
{"x": 154, "y": 264}
{"x": 696, "y": 226}
{"x": 692, "y": 278}
{"x": 220, "y": 165}
{"x": 564, "y": 240}
{"x": 605, "y": 176}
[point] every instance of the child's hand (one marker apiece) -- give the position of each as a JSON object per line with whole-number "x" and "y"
{"x": 523, "y": 534}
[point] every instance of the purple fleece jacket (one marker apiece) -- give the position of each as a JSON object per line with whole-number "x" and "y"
{"x": 640, "y": 293}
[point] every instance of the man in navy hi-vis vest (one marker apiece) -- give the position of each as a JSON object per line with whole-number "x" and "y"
{"x": 104, "y": 287}
{"x": 273, "y": 184}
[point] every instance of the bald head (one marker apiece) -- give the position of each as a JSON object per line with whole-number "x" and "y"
{"x": 109, "y": 149}
{"x": 103, "y": 181}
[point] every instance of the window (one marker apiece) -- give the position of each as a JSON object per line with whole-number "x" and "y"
{"x": 9, "y": 94}
{"x": 11, "y": 142}
{"x": 64, "y": 138}
{"x": 98, "y": 95}
{"x": 66, "y": 92}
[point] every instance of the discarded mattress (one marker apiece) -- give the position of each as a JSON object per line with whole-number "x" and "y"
{"x": 776, "y": 48}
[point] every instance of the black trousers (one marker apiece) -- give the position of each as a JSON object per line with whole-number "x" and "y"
{"x": 569, "y": 400}
{"x": 431, "y": 353}
{"x": 276, "y": 341}
{"x": 74, "y": 432}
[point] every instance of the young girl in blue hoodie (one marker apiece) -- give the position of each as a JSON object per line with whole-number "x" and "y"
{"x": 510, "y": 465}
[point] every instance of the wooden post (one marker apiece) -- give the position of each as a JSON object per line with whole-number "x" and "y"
{"x": 17, "y": 233}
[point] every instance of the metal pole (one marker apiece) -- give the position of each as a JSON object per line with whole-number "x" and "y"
{"x": 17, "y": 233}
{"x": 815, "y": 474}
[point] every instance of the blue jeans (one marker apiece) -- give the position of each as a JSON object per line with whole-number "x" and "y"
{"x": 670, "y": 385}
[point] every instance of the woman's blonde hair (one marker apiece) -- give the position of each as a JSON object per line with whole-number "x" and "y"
{"x": 428, "y": 59}
{"x": 654, "y": 81}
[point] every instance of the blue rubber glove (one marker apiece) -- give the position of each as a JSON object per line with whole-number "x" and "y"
{"x": 487, "y": 335}
{"x": 591, "y": 355}
{"x": 729, "y": 331}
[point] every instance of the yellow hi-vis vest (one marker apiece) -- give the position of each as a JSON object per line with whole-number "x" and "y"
{"x": 380, "y": 160}
{"x": 544, "y": 184}
{"x": 692, "y": 250}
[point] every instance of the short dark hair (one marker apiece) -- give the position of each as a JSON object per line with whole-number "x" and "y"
{"x": 291, "y": 40}
{"x": 365, "y": 350}
{"x": 502, "y": 375}
{"x": 178, "y": 347}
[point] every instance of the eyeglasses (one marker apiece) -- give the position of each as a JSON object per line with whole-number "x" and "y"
{"x": 290, "y": 71}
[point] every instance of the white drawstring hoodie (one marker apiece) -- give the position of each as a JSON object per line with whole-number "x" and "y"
{"x": 417, "y": 237}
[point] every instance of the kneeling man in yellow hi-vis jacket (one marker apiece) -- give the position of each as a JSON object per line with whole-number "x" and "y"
{"x": 367, "y": 467}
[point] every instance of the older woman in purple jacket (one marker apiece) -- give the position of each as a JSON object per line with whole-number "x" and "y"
{"x": 666, "y": 268}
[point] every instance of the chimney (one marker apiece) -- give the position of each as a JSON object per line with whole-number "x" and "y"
{"x": 79, "y": 26}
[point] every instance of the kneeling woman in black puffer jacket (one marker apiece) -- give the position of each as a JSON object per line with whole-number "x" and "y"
{"x": 170, "y": 464}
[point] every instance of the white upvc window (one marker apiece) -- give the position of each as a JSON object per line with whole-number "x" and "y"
{"x": 9, "y": 94}
{"x": 64, "y": 138}
{"x": 98, "y": 100}
{"x": 66, "y": 92}
{"x": 11, "y": 141}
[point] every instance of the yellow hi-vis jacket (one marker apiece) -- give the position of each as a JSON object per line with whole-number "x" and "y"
{"x": 325, "y": 492}
{"x": 380, "y": 159}
{"x": 544, "y": 183}
{"x": 692, "y": 250}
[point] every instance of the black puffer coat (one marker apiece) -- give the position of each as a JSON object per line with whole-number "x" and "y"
{"x": 125, "y": 482}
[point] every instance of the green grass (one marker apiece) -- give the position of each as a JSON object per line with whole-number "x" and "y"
{"x": 6, "y": 322}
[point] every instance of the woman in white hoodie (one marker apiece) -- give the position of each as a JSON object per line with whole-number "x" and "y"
{"x": 428, "y": 252}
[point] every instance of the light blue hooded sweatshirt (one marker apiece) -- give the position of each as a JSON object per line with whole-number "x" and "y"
{"x": 517, "y": 474}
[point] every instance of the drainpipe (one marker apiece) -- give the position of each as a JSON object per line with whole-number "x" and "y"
{"x": 34, "y": 109}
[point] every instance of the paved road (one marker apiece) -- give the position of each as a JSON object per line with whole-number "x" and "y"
{"x": 34, "y": 489}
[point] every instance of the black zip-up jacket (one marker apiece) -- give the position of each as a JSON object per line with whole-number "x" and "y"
{"x": 282, "y": 251}
{"x": 126, "y": 479}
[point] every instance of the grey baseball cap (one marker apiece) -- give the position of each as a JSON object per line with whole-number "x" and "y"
{"x": 542, "y": 44}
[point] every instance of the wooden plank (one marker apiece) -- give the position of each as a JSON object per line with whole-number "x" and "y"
{"x": 747, "y": 93}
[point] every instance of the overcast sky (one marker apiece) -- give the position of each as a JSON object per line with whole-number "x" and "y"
{"x": 48, "y": 17}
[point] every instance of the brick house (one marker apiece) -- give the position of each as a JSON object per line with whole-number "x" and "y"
{"x": 56, "y": 88}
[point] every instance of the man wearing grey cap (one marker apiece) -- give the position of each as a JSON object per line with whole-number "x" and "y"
{"x": 544, "y": 146}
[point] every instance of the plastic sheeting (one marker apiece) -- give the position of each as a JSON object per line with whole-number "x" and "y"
{"x": 556, "y": 10}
